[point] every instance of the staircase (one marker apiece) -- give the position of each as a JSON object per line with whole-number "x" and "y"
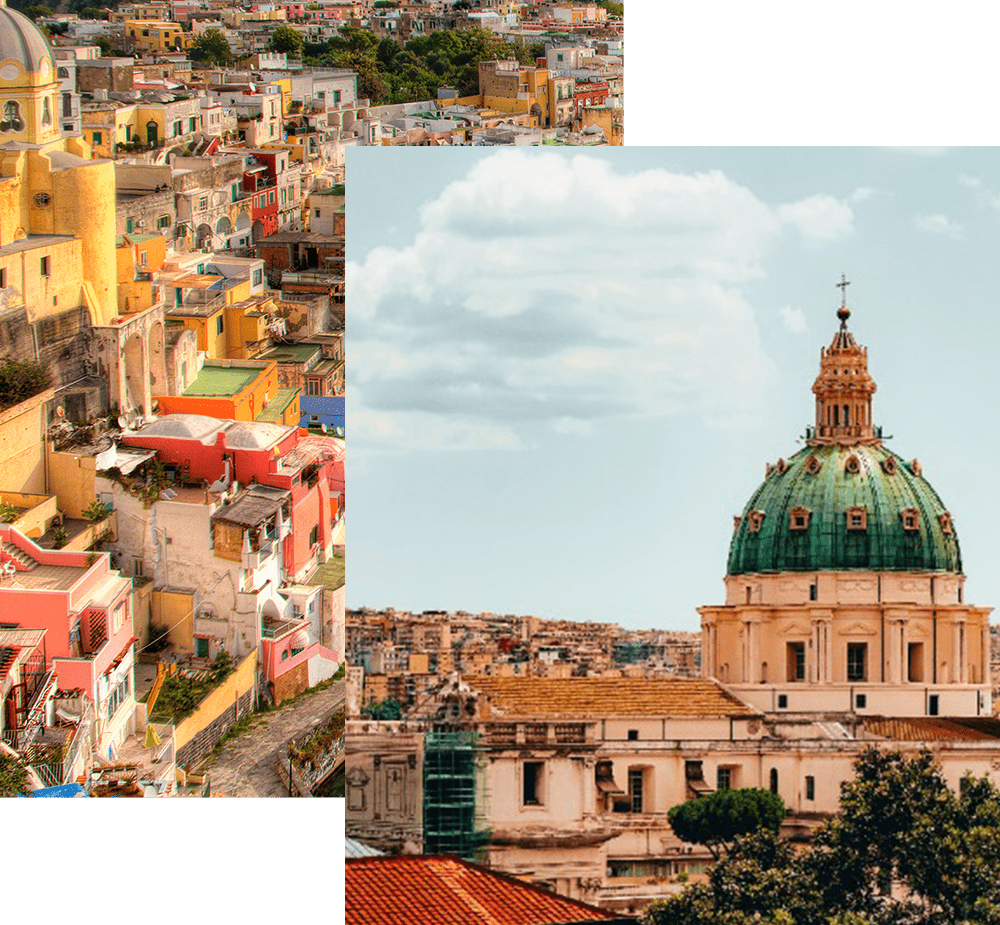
{"x": 23, "y": 562}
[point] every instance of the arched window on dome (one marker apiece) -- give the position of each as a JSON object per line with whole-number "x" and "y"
{"x": 46, "y": 111}
{"x": 11, "y": 120}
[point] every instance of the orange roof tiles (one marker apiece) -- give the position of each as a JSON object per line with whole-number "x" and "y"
{"x": 932, "y": 729}
{"x": 416, "y": 890}
{"x": 602, "y": 697}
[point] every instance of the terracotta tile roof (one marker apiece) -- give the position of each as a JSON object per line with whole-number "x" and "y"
{"x": 601, "y": 697}
{"x": 417, "y": 890}
{"x": 933, "y": 729}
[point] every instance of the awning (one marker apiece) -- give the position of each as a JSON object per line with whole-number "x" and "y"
{"x": 700, "y": 786}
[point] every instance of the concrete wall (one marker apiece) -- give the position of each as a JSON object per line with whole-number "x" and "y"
{"x": 196, "y": 736}
{"x": 71, "y": 480}
{"x": 174, "y": 611}
{"x": 22, "y": 445}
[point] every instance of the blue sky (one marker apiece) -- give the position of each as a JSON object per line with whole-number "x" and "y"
{"x": 568, "y": 370}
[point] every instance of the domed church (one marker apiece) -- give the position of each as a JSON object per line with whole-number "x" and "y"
{"x": 57, "y": 204}
{"x": 844, "y": 585}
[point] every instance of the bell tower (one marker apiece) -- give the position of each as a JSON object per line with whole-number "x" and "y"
{"x": 843, "y": 388}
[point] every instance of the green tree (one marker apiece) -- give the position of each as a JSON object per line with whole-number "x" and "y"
{"x": 36, "y": 12}
{"x": 616, "y": 10}
{"x": 384, "y": 709}
{"x": 20, "y": 379}
{"x": 104, "y": 43}
{"x": 287, "y": 41}
{"x": 211, "y": 46}
{"x": 903, "y": 848}
{"x": 715, "y": 821}
{"x": 13, "y": 776}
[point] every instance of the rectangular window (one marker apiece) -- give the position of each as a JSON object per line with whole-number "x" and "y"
{"x": 314, "y": 536}
{"x": 810, "y": 787}
{"x": 724, "y": 779}
{"x": 203, "y": 203}
{"x": 782, "y": 701}
{"x": 533, "y": 783}
{"x": 220, "y": 324}
{"x": 270, "y": 197}
{"x": 857, "y": 661}
{"x": 3, "y": 278}
{"x": 163, "y": 221}
{"x": 915, "y": 661}
{"x": 96, "y": 138}
{"x": 860, "y": 701}
{"x": 635, "y": 780}
{"x": 177, "y": 127}
{"x": 193, "y": 124}
{"x": 796, "y": 659}
{"x": 313, "y": 387}
{"x": 45, "y": 266}
{"x": 258, "y": 277}
{"x": 129, "y": 226}
{"x": 932, "y": 705}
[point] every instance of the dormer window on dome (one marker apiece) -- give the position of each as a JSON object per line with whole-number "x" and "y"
{"x": 857, "y": 518}
{"x": 781, "y": 467}
{"x": 755, "y": 520}
{"x": 946, "y": 526}
{"x": 853, "y": 465}
{"x": 911, "y": 518}
{"x": 813, "y": 465}
{"x": 798, "y": 518}
{"x": 889, "y": 465}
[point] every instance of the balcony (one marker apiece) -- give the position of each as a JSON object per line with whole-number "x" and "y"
{"x": 256, "y": 558}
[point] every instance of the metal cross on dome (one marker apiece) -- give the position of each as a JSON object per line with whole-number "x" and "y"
{"x": 842, "y": 286}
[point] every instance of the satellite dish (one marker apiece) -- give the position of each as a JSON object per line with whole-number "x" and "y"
{"x": 122, "y": 423}
{"x": 323, "y": 428}
{"x": 60, "y": 412}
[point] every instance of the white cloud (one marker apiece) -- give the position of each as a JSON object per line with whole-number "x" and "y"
{"x": 794, "y": 319}
{"x": 819, "y": 218}
{"x": 862, "y": 193}
{"x": 972, "y": 182}
{"x": 927, "y": 151}
{"x": 554, "y": 289}
{"x": 938, "y": 224}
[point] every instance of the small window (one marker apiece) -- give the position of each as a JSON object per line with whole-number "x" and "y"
{"x": 635, "y": 787}
{"x": 945, "y": 521}
{"x": 915, "y": 467}
{"x": 774, "y": 780}
{"x": 813, "y": 591}
{"x": 533, "y": 783}
{"x": 96, "y": 138}
{"x": 810, "y": 787}
{"x": 314, "y": 535}
{"x": 203, "y": 203}
{"x": 857, "y": 518}
{"x": 163, "y": 221}
{"x": 857, "y": 661}
{"x": 853, "y": 465}
{"x": 3, "y": 278}
{"x": 910, "y": 518}
{"x": 798, "y": 518}
{"x": 755, "y": 520}
{"x": 724, "y": 779}
{"x": 633, "y": 735}
{"x": 915, "y": 661}
{"x": 813, "y": 465}
{"x": 258, "y": 277}
{"x": 781, "y": 467}
{"x": 932, "y": 705}
{"x": 782, "y": 701}
{"x": 860, "y": 701}
{"x": 220, "y": 324}
{"x": 45, "y": 266}
{"x": 889, "y": 465}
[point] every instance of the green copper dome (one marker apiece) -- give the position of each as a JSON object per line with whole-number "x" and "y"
{"x": 833, "y": 507}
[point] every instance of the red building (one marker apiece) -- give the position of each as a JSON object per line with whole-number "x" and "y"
{"x": 260, "y": 181}
{"x": 589, "y": 93}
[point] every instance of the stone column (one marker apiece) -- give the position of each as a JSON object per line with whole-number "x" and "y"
{"x": 956, "y": 652}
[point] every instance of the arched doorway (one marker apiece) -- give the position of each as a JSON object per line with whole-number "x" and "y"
{"x": 152, "y": 133}
{"x": 204, "y": 236}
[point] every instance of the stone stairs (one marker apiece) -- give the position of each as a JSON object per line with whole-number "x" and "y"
{"x": 24, "y": 562}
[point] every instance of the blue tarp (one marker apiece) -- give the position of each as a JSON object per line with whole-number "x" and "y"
{"x": 64, "y": 790}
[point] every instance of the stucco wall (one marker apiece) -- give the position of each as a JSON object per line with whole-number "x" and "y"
{"x": 22, "y": 445}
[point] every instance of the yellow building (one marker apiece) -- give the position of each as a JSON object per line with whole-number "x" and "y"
{"x": 149, "y": 35}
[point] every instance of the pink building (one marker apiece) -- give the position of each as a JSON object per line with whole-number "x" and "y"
{"x": 194, "y": 447}
{"x": 84, "y": 609}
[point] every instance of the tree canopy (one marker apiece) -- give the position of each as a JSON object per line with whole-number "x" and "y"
{"x": 20, "y": 379}
{"x": 286, "y": 40}
{"x": 904, "y": 849}
{"x": 389, "y": 72}
{"x": 211, "y": 46}
{"x": 715, "y": 821}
